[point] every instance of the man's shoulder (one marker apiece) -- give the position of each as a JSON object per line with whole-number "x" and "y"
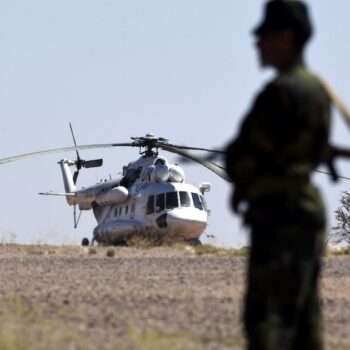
{"x": 297, "y": 89}
{"x": 299, "y": 80}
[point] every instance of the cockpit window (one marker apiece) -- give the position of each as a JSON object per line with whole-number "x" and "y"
{"x": 196, "y": 201}
{"x": 172, "y": 200}
{"x": 185, "y": 199}
{"x": 160, "y": 202}
{"x": 150, "y": 205}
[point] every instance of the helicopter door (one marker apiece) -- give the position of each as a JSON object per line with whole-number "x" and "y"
{"x": 160, "y": 202}
{"x": 150, "y": 205}
{"x": 132, "y": 208}
{"x": 150, "y": 209}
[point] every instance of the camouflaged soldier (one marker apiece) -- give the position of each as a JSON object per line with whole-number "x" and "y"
{"x": 281, "y": 140}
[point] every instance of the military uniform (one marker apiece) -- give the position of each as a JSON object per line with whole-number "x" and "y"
{"x": 281, "y": 140}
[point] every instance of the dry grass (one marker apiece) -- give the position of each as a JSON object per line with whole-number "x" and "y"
{"x": 141, "y": 297}
{"x": 21, "y": 324}
{"x": 150, "y": 240}
{"x": 337, "y": 250}
{"x": 219, "y": 251}
{"x": 154, "y": 340}
{"x": 151, "y": 339}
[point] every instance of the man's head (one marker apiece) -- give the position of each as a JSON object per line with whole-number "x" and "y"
{"x": 283, "y": 32}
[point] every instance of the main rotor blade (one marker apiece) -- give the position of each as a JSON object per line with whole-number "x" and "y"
{"x": 75, "y": 143}
{"x": 63, "y": 149}
{"x": 218, "y": 170}
{"x": 194, "y": 148}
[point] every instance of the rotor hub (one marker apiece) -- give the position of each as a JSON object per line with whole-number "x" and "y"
{"x": 149, "y": 142}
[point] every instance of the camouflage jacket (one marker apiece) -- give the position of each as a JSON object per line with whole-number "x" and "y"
{"x": 285, "y": 134}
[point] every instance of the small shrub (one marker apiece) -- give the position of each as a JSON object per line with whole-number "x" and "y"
{"x": 341, "y": 232}
{"x": 337, "y": 250}
{"x": 110, "y": 252}
{"x": 92, "y": 251}
{"x": 210, "y": 249}
{"x": 149, "y": 240}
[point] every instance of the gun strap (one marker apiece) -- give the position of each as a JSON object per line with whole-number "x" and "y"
{"x": 337, "y": 102}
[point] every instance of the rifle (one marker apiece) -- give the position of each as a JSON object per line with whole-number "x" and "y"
{"x": 334, "y": 151}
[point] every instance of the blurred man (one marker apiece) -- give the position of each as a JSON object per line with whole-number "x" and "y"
{"x": 282, "y": 139}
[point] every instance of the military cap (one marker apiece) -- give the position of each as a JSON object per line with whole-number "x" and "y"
{"x": 286, "y": 14}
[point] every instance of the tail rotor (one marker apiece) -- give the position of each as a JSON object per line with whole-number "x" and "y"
{"x": 80, "y": 163}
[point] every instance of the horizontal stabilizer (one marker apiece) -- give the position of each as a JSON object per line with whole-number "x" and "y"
{"x": 57, "y": 194}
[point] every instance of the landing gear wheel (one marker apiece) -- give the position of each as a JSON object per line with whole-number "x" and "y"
{"x": 194, "y": 242}
{"x": 85, "y": 242}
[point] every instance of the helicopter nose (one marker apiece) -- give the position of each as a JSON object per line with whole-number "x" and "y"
{"x": 183, "y": 223}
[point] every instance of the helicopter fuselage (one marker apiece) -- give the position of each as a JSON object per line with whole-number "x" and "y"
{"x": 151, "y": 198}
{"x": 170, "y": 209}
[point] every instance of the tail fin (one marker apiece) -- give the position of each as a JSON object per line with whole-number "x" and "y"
{"x": 68, "y": 181}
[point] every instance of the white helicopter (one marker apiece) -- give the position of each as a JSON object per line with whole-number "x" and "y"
{"x": 151, "y": 197}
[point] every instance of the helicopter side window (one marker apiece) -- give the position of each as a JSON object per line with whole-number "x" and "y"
{"x": 172, "y": 200}
{"x": 185, "y": 199}
{"x": 196, "y": 201}
{"x": 150, "y": 205}
{"x": 160, "y": 202}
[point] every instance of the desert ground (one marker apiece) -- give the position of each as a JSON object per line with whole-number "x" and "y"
{"x": 140, "y": 298}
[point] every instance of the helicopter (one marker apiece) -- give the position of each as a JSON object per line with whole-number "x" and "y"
{"x": 151, "y": 197}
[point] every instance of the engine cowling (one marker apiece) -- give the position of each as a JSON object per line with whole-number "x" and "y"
{"x": 160, "y": 173}
{"x": 176, "y": 174}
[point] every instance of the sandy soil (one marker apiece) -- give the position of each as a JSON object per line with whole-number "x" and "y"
{"x": 159, "y": 298}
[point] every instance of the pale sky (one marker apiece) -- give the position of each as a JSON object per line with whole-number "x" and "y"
{"x": 185, "y": 70}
